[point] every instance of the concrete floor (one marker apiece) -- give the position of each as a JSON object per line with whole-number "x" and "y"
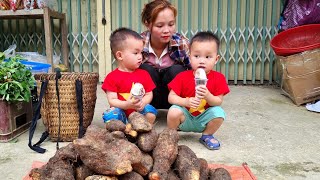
{"x": 277, "y": 139}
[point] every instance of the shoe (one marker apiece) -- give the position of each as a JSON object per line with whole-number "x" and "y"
{"x": 206, "y": 141}
{"x": 314, "y": 107}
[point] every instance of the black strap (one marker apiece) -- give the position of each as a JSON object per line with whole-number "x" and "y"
{"x": 58, "y": 76}
{"x": 80, "y": 107}
{"x": 36, "y": 147}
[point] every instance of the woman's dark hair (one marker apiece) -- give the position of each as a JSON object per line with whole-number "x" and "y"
{"x": 152, "y": 9}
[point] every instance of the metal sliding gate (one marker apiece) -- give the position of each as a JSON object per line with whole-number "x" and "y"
{"x": 245, "y": 28}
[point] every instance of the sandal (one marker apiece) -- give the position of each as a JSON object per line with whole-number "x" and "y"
{"x": 206, "y": 141}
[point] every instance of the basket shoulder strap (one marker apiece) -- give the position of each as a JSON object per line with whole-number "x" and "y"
{"x": 79, "y": 92}
{"x": 36, "y": 147}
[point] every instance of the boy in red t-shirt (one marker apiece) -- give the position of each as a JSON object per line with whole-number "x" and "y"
{"x": 126, "y": 46}
{"x": 197, "y": 108}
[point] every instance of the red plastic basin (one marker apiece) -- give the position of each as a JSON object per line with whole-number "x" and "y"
{"x": 296, "y": 40}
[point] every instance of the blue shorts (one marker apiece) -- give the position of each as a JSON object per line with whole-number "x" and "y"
{"x": 199, "y": 123}
{"x": 119, "y": 114}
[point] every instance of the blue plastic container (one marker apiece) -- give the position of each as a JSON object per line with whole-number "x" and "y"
{"x": 36, "y": 67}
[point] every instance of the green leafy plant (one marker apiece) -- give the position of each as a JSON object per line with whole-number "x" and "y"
{"x": 16, "y": 80}
{"x": 2, "y": 56}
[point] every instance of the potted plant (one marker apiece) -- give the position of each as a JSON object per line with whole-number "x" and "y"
{"x": 16, "y": 82}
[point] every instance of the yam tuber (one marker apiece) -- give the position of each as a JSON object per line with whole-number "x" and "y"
{"x": 101, "y": 177}
{"x": 82, "y": 172}
{"x": 129, "y": 131}
{"x": 118, "y": 135}
{"x": 54, "y": 169}
{"x": 219, "y": 174}
{"x": 131, "y": 176}
{"x": 187, "y": 164}
{"x": 60, "y": 166}
{"x": 145, "y": 166}
{"x": 115, "y": 125}
{"x": 204, "y": 170}
{"x": 67, "y": 153}
{"x": 105, "y": 153}
{"x": 172, "y": 175}
{"x": 139, "y": 122}
{"x": 147, "y": 141}
{"x": 164, "y": 154}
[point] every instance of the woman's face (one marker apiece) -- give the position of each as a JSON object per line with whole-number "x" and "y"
{"x": 163, "y": 27}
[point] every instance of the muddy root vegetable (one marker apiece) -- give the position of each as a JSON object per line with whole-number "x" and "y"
{"x": 219, "y": 174}
{"x": 147, "y": 141}
{"x": 130, "y": 132}
{"x": 82, "y": 172}
{"x": 164, "y": 154}
{"x": 54, "y": 169}
{"x": 187, "y": 164}
{"x": 131, "y": 176}
{"x": 67, "y": 152}
{"x": 60, "y": 166}
{"x": 139, "y": 122}
{"x": 204, "y": 170}
{"x": 118, "y": 135}
{"x": 172, "y": 175}
{"x": 115, "y": 125}
{"x": 105, "y": 153}
{"x": 101, "y": 177}
{"x": 145, "y": 166}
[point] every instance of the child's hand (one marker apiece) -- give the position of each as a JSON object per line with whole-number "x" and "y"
{"x": 140, "y": 105}
{"x": 193, "y": 102}
{"x": 136, "y": 104}
{"x": 201, "y": 91}
{"x": 132, "y": 102}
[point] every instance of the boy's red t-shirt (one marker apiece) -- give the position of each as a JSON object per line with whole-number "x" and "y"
{"x": 184, "y": 86}
{"x": 121, "y": 83}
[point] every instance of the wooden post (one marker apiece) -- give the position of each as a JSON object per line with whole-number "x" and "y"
{"x": 48, "y": 35}
{"x": 104, "y": 31}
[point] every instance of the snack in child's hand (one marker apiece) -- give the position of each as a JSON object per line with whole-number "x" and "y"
{"x": 200, "y": 77}
{"x": 137, "y": 91}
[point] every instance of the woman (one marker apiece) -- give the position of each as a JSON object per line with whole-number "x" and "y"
{"x": 165, "y": 52}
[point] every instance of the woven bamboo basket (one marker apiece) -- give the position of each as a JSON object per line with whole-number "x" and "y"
{"x": 69, "y": 128}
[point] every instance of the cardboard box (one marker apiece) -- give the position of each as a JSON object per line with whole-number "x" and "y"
{"x": 301, "y": 76}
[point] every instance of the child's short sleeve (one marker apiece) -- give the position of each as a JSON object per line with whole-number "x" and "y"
{"x": 148, "y": 82}
{"x": 109, "y": 83}
{"x": 220, "y": 84}
{"x": 176, "y": 84}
